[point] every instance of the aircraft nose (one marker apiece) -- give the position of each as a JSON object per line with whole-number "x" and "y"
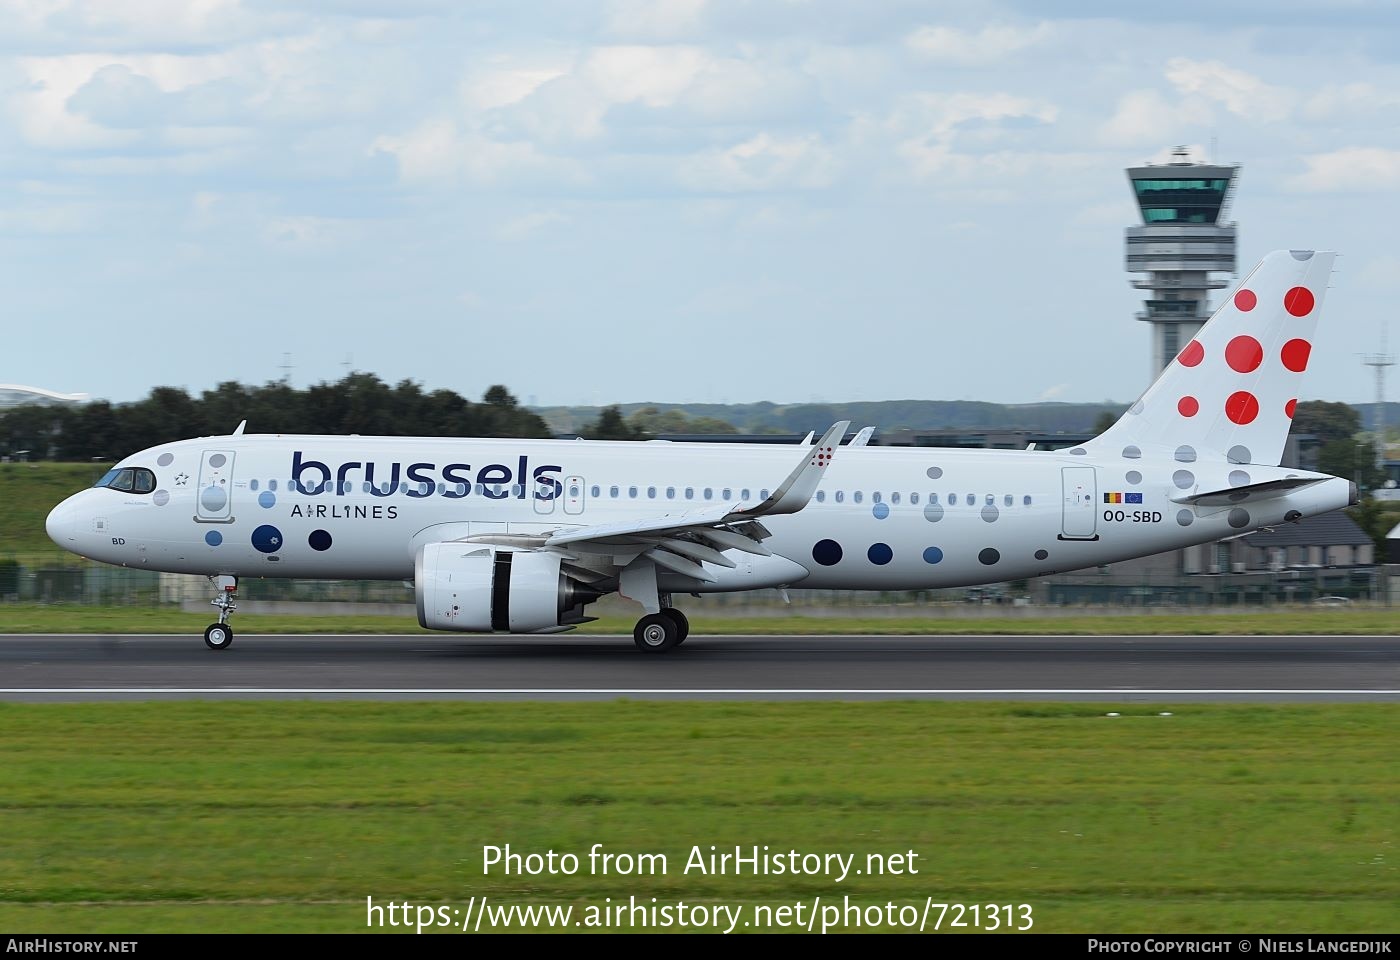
{"x": 62, "y": 523}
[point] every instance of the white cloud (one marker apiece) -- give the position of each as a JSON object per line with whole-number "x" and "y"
{"x": 440, "y": 151}
{"x": 763, "y": 162}
{"x": 1361, "y": 169}
{"x": 1243, "y": 94}
{"x": 991, "y": 44}
{"x": 655, "y": 19}
{"x": 1144, "y": 118}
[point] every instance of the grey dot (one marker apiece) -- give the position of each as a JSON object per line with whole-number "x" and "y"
{"x": 1301, "y": 254}
{"x": 218, "y": 460}
{"x": 989, "y": 556}
{"x": 1078, "y": 452}
{"x": 1132, "y": 453}
{"x": 1238, "y": 478}
{"x": 933, "y": 512}
{"x": 1132, "y": 476}
{"x": 1186, "y": 454}
{"x": 1184, "y": 517}
{"x": 165, "y": 459}
{"x": 1042, "y": 554}
{"x": 1136, "y": 408}
{"x": 1183, "y": 478}
{"x": 1239, "y": 517}
{"x": 989, "y": 513}
{"x": 160, "y": 498}
{"x": 213, "y": 499}
{"x": 1239, "y": 454}
{"x": 934, "y": 472}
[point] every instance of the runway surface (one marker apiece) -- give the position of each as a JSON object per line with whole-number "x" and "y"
{"x": 1339, "y": 668}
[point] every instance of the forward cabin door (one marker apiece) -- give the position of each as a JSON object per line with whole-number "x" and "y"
{"x": 1079, "y": 513}
{"x": 214, "y": 495}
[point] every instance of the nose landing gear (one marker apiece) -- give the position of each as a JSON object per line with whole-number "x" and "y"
{"x": 218, "y": 636}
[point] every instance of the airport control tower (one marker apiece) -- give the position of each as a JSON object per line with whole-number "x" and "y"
{"x": 1181, "y": 242}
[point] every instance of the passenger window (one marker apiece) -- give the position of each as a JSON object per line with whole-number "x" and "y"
{"x": 690, "y": 493}
{"x": 875, "y": 497}
{"x": 952, "y": 499}
{"x": 726, "y": 494}
{"x": 914, "y": 498}
{"x": 272, "y": 484}
{"x": 821, "y": 496}
{"x": 972, "y": 499}
{"x": 253, "y": 485}
{"x": 1008, "y": 500}
{"x": 763, "y": 494}
{"x": 594, "y": 490}
{"x": 670, "y": 493}
{"x": 857, "y": 496}
{"x": 708, "y": 493}
{"x": 632, "y": 492}
{"x": 894, "y": 498}
{"x": 612, "y": 492}
{"x": 991, "y": 499}
{"x": 442, "y": 488}
{"x": 840, "y": 495}
{"x": 366, "y": 485}
{"x": 1026, "y": 501}
{"x": 744, "y": 493}
{"x": 651, "y": 493}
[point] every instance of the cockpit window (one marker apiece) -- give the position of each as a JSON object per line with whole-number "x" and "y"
{"x": 129, "y": 480}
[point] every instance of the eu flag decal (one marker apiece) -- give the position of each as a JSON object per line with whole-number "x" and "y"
{"x": 1132, "y": 498}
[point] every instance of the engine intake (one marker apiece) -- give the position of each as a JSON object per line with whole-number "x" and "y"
{"x": 475, "y": 588}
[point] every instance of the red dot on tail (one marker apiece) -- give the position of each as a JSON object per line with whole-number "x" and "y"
{"x": 1187, "y": 406}
{"x": 1298, "y": 301}
{"x": 1289, "y": 407}
{"x": 1244, "y": 354}
{"x": 1242, "y": 407}
{"x": 1245, "y": 300}
{"x": 1295, "y": 355}
{"x": 1192, "y": 354}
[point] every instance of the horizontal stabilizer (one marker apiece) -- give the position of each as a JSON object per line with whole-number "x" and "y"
{"x": 1248, "y": 492}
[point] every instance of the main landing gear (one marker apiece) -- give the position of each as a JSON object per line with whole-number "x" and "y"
{"x": 218, "y": 636}
{"x": 659, "y": 632}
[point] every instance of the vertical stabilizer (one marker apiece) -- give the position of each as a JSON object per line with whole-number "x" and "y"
{"x": 1231, "y": 392}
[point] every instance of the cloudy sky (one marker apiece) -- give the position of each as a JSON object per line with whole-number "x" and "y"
{"x": 676, "y": 200}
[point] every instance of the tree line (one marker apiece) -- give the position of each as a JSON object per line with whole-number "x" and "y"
{"x": 359, "y": 403}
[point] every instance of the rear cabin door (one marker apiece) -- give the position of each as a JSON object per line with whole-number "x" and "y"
{"x": 1080, "y": 512}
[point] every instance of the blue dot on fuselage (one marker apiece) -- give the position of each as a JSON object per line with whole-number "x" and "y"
{"x": 880, "y": 554}
{"x": 933, "y": 555}
{"x": 827, "y": 552}
{"x": 267, "y": 538}
{"x": 267, "y": 499}
{"x": 213, "y": 538}
{"x": 881, "y": 510}
{"x": 319, "y": 540}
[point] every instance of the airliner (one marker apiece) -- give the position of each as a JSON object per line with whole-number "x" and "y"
{"x": 521, "y": 535}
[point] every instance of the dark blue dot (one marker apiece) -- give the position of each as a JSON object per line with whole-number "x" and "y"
{"x": 319, "y": 540}
{"x": 933, "y": 555}
{"x": 827, "y": 552}
{"x": 1042, "y": 554}
{"x": 989, "y": 556}
{"x": 267, "y": 538}
{"x": 213, "y": 538}
{"x": 267, "y": 499}
{"x": 880, "y": 554}
{"x": 881, "y": 510}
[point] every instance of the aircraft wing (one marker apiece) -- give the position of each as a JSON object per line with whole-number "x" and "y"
{"x": 680, "y": 540}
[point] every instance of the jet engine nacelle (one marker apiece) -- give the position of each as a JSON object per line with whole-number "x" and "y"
{"x": 475, "y": 588}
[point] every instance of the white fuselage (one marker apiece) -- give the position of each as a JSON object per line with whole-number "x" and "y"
{"x": 883, "y": 518}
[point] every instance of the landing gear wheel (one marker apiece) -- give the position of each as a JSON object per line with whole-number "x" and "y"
{"x": 681, "y": 622}
{"x": 657, "y": 633}
{"x": 217, "y": 636}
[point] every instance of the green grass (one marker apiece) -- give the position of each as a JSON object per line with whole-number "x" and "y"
{"x": 28, "y": 491}
{"x": 45, "y": 618}
{"x": 275, "y": 816}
